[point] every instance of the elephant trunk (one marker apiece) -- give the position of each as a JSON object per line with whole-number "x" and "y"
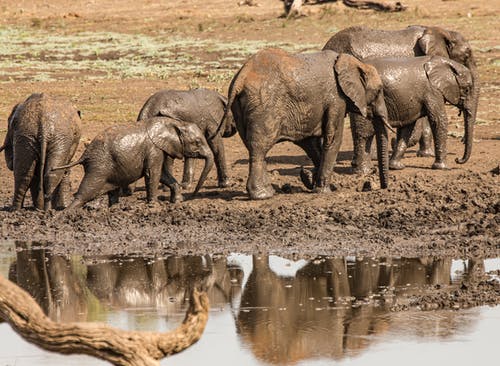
{"x": 209, "y": 162}
{"x": 469, "y": 120}
{"x": 469, "y": 111}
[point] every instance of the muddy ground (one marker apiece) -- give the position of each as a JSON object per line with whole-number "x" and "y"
{"x": 423, "y": 213}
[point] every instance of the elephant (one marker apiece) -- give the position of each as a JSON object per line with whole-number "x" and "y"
{"x": 277, "y": 96}
{"x": 43, "y": 132}
{"x": 122, "y": 154}
{"x": 363, "y": 42}
{"x": 428, "y": 82}
{"x": 203, "y": 107}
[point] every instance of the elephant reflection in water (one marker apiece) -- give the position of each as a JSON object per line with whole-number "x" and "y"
{"x": 66, "y": 289}
{"x": 53, "y": 281}
{"x": 326, "y": 309}
{"x": 139, "y": 282}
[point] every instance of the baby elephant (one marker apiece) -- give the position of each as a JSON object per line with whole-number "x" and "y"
{"x": 122, "y": 154}
{"x": 203, "y": 107}
{"x": 416, "y": 87}
{"x": 43, "y": 132}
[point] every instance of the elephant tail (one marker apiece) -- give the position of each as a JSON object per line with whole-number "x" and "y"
{"x": 234, "y": 90}
{"x": 71, "y": 165}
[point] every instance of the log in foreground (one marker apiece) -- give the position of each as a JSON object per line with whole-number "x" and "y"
{"x": 119, "y": 347}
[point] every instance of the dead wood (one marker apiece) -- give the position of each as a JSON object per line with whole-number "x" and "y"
{"x": 375, "y": 5}
{"x": 293, "y": 8}
{"x": 119, "y": 347}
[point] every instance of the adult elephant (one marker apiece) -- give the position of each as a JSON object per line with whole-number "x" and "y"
{"x": 416, "y": 87}
{"x": 43, "y": 132}
{"x": 122, "y": 154}
{"x": 277, "y": 96}
{"x": 203, "y": 107}
{"x": 363, "y": 42}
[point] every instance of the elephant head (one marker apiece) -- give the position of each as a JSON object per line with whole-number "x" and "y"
{"x": 181, "y": 139}
{"x": 455, "y": 82}
{"x": 436, "y": 41}
{"x": 362, "y": 86}
{"x": 8, "y": 145}
{"x": 229, "y": 123}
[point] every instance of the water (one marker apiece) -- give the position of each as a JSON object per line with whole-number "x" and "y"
{"x": 265, "y": 310}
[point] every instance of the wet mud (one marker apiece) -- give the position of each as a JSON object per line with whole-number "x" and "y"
{"x": 417, "y": 215}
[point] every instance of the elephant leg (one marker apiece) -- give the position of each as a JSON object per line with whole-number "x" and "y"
{"x": 402, "y": 141}
{"x": 52, "y": 179}
{"x": 438, "y": 121}
{"x": 61, "y": 192}
{"x": 312, "y": 147}
{"x": 24, "y": 170}
{"x": 175, "y": 189}
{"x": 362, "y": 143}
{"x": 168, "y": 166}
{"x": 425, "y": 142}
{"x": 332, "y": 139}
{"x": 188, "y": 173}
{"x": 152, "y": 180}
{"x": 258, "y": 185}
{"x": 217, "y": 148}
{"x": 90, "y": 188}
{"x": 35, "y": 190}
{"x": 113, "y": 196}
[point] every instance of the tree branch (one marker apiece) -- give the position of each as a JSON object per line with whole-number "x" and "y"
{"x": 119, "y": 347}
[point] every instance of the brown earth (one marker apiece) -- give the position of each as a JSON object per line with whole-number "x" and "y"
{"x": 424, "y": 212}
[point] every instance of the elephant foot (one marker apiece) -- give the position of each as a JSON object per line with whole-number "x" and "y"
{"x": 396, "y": 165}
{"x": 262, "y": 193}
{"x": 176, "y": 198}
{"x": 223, "y": 183}
{"x": 323, "y": 189}
{"x": 362, "y": 170}
{"x": 425, "y": 153}
{"x": 187, "y": 186}
{"x": 306, "y": 176}
{"x": 439, "y": 165}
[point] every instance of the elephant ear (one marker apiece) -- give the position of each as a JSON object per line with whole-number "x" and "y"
{"x": 163, "y": 135}
{"x": 350, "y": 78}
{"x": 434, "y": 42}
{"x": 449, "y": 77}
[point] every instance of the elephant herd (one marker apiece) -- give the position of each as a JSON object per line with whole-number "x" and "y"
{"x": 398, "y": 79}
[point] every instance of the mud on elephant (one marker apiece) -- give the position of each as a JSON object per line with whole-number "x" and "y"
{"x": 122, "y": 154}
{"x": 203, "y": 107}
{"x": 428, "y": 83}
{"x": 413, "y": 41}
{"x": 303, "y": 98}
{"x": 43, "y": 132}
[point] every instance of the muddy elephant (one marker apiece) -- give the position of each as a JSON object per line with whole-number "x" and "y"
{"x": 277, "y": 96}
{"x": 203, "y": 107}
{"x": 122, "y": 154}
{"x": 363, "y": 42}
{"x": 428, "y": 82}
{"x": 43, "y": 132}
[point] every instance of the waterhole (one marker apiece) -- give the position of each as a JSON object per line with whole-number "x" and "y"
{"x": 265, "y": 310}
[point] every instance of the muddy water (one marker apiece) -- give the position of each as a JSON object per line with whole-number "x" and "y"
{"x": 265, "y": 310}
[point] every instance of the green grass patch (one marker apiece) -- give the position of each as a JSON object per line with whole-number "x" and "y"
{"x": 45, "y": 55}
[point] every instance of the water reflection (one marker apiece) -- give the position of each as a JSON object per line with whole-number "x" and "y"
{"x": 284, "y": 312}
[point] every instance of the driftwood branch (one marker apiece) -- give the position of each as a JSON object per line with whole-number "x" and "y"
{"x": 375, "y": 5}
{"x": 119, "y": 347}
{"x": 293, "y": 8}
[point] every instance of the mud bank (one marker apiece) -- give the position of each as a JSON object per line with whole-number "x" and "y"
{"x": 418, "y": 215}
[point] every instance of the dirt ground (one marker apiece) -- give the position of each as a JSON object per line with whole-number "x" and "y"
{"x": 423, "y": 213}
